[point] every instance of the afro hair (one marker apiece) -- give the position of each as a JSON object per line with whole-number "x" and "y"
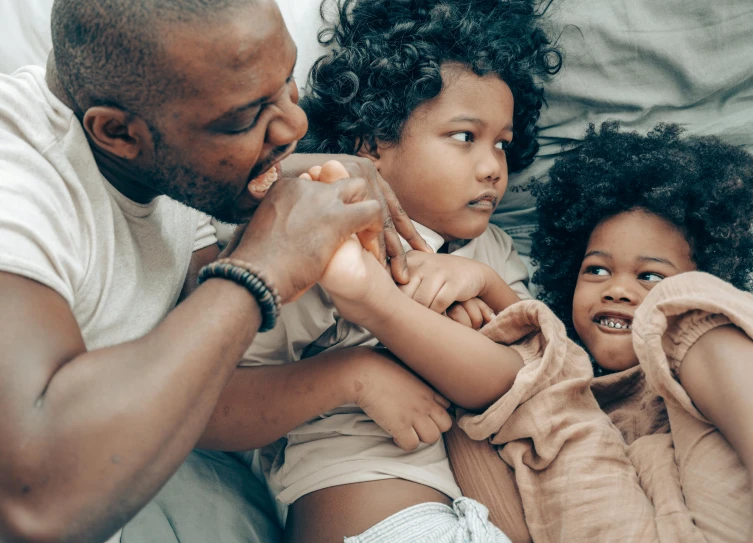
{"x": 701, "y": 185}
{"x": 386, "y": 61}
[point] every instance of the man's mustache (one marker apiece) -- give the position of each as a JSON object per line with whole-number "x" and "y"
{"x": 262, "y": 167}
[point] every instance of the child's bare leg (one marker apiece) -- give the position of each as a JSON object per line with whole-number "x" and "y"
{"x": 333, "y": 513}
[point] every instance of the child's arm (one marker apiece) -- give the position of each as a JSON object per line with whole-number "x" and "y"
{"x": 717, "y": 374}
{"x": 468, "y": 368}
{"x": 261, "y": 404}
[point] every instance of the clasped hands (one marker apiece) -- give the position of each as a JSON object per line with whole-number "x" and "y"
{"x": 443, "y": 283}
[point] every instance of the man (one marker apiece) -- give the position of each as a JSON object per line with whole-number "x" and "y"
{"x": 105, "y": 385}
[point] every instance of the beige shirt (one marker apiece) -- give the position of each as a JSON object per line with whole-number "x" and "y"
{"x": 345, "y": 446}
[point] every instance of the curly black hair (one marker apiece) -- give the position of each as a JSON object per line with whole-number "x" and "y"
{"x": 700, "y": 184}
{"x": 386, "y": 61}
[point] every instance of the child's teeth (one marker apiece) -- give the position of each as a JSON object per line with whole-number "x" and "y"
{"x": 617, "y": 325}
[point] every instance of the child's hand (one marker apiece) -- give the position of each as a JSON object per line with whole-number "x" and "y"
{"x": 399, "y": 402}
{"x": 437, "y": 280}
{"x": 357, "y": 283}
{"x": 473, "y": 313}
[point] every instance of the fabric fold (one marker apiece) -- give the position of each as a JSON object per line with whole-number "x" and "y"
{"x": 623, "y": 457}
{"x": 571, "y": 465}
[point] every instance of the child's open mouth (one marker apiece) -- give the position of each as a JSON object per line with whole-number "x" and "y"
{"x": 614, "y": 321}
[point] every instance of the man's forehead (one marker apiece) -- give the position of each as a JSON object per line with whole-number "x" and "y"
{"x": 244, "y": 50}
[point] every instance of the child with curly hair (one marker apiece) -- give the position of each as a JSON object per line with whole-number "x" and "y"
{"x": 443, "y": 96}
{"x": 645, "y": 253}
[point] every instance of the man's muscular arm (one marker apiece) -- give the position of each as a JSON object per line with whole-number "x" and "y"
{"x": 90, "y": 436}
{"x": 199, "y": 259}
{"x": 261, "y": 404}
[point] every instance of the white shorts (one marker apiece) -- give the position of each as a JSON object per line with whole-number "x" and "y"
{"x": 467, "y": 521}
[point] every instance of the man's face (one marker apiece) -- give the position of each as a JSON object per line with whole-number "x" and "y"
{"x": 238, "y": 115}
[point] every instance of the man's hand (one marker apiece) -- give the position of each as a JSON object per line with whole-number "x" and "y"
{"x": 395, "y": 220}
{"x": 299, "y": 226}
{"x": 399, "y": 402}
{"x": 438, "y": 280}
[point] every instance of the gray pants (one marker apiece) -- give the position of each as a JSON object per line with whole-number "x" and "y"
{"x": 212, "y": 497}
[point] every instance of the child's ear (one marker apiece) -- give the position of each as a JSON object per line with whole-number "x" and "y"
{"x": 366, "y": 150}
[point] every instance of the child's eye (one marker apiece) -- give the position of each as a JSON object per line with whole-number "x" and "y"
{"x": 596, "y": 270}
{"x": 465, "y": 137}
{"x": 503, "y": 145}
{"x": 651, "y": 277}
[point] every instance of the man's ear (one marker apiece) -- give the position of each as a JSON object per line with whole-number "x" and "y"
{"x": 369, "y": 151}
{"x": 117, "y": 132}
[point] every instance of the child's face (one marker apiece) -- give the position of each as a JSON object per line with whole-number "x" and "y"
{"x": 626, "y": 257}
{"x": 449, "y": 168}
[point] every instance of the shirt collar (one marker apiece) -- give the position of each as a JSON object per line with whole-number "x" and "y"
{"x": 462, "y": 247}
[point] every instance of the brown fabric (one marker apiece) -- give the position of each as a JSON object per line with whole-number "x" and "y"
{"x": 584, "y": 477}
{"x": 488, "y": 480}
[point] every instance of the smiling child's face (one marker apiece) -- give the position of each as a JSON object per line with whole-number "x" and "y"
{"x": 449, "y": 168}
{"x": 626, "y": 257}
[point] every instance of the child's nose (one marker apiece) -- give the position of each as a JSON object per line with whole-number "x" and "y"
{"x": 491, "y": 168}
{"x": 620, "y": 291}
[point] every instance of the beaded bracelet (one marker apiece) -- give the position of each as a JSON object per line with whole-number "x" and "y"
{"x": 255, "y": 282}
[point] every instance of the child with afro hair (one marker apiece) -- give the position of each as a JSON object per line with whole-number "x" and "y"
{"x": 645, "y": 253}
{"x": 699, "y": 188}
{"x": 443, "y": 97}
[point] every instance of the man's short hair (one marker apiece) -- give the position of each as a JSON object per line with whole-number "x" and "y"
{"x": 109, "y": 52}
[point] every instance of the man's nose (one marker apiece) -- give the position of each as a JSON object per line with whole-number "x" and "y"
{"x": 291, "y": 125}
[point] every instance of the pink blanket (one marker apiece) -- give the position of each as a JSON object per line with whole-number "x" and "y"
{"x": 624, "y": 457}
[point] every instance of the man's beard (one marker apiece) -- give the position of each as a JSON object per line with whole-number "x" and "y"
{"x": 172, "y": 177}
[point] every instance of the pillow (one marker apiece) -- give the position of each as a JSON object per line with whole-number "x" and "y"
{"x": 24, "y": 33}
{"x": 640, "y": 62}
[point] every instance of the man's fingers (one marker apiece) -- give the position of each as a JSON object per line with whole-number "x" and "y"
{"x": 361, "y": 217}
{"x": 395, "y": 254}
{"x": 355, "y": 189}
{"x": 400, "y": 219}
